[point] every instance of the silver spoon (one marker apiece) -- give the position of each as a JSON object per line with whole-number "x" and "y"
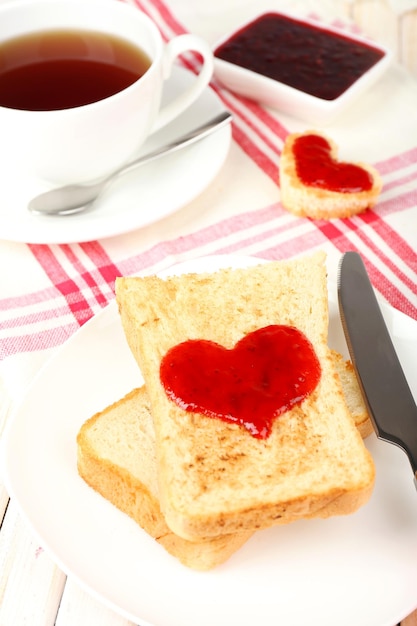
{"x": 76, "y": 198}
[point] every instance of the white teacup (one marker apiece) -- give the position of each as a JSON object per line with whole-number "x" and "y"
{"x": 86, "y": 142}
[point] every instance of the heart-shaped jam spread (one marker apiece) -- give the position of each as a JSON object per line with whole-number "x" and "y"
{"x": 266, "y": 373}
{"x": 317, "y": 168}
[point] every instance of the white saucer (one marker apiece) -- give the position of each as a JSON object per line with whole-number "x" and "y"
{"x": 137, "y": 199}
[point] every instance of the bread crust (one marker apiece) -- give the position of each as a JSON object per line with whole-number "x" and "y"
{"x": 214, "y": 478}
{"x": 353, "y": 395}
{"x": 105, "y": 444}
{"x": 315, "y": 202}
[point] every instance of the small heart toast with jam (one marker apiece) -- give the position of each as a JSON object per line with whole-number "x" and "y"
{"x": 315, "y": 184}
{"x": 251, "y": 424}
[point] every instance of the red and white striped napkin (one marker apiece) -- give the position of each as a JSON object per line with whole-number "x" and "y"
{"x": 48, "y": 291}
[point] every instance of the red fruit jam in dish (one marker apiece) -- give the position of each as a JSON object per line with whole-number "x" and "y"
{"x": 307, "y": 57}
{"x": 265, "y": 374}
{"x": 316, "y": 167}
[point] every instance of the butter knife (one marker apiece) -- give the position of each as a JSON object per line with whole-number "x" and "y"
{"x": 384, "y": 386}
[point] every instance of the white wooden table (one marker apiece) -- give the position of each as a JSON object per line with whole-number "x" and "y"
{"x": 393, "y": 23}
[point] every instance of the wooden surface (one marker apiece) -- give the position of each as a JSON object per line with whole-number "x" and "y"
{"x": 379, "y": 20}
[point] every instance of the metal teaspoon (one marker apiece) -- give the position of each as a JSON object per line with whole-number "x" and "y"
{"x": 75, "y": 198}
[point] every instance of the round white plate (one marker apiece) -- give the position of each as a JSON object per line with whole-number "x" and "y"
{"x": 356, "y": 570}
{"x": 137, "y": 199}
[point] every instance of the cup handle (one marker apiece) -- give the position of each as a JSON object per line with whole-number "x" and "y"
{"x": 178, "y": 45}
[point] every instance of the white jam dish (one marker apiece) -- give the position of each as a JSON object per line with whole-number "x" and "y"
{"x": 297, "y": 65}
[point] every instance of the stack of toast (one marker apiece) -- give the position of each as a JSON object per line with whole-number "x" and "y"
{"x": 202, "y": 483}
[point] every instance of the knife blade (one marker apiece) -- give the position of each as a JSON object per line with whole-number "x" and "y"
{"x": 384, "y": 387}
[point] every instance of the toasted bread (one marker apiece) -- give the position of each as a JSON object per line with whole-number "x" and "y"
{"x": 116, "y": 456}
{"x": 317, "y": 201}
{"x": 353, "y": 395}
{"x": 215, "y": 477}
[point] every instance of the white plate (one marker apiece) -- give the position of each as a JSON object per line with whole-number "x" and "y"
{"x": 137, "y": 199}
{"x": 357, "y": 570}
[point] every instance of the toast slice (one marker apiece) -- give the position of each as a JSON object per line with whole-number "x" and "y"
{"x": 316, "y": 200}
{"x": 116, "y": 456}
{"x": 353, "y": 395}
{"x": 214, "y": 476}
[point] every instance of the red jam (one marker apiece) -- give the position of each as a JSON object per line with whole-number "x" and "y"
{"x": 316, "y": 168}
{"x": 309, "y": 58}
{"x": 267, "y": 372}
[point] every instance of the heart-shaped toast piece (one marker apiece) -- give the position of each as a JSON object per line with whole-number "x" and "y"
{"x": 265, "y": 374}
{"x": 317, "y": 167}
{"x": 314, "y": 183}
